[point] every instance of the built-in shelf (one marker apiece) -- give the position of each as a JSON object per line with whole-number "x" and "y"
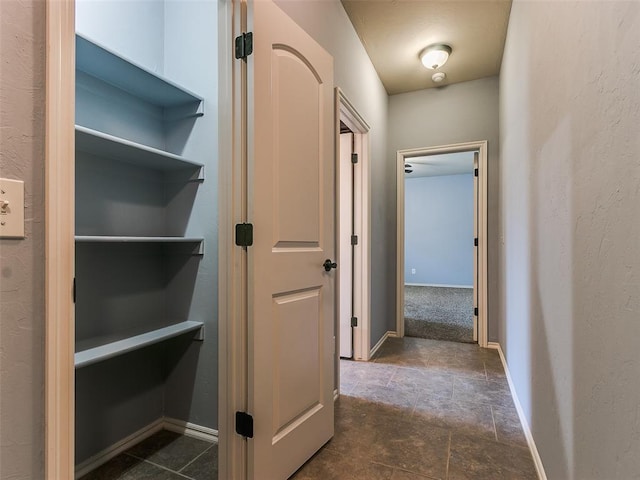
{"x": 105, "y": 145}
{"x": 125, "y": 239}
{"x": 112, "y": 68}
{"x": 104, "y": 349}
{"x": 197, "y": 242}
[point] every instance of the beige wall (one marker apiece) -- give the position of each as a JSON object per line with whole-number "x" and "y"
{"x": 22, "y": 80}
{"x": 570, "y": 218}
{"x": 463, "y": 112}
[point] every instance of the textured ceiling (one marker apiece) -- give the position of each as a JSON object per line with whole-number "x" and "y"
{"x": 395, "y": 31}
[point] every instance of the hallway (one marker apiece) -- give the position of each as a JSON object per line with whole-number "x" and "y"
{"x": 424, "y": 409}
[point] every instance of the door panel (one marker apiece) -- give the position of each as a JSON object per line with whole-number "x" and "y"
{"x": 291, "y": 204}
{"x": 346, "y": 250}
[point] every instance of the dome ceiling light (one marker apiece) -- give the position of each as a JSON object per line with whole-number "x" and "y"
{"x": 435, "y": 56}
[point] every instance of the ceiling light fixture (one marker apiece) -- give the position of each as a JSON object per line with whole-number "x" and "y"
{"x": 435, "y": 56}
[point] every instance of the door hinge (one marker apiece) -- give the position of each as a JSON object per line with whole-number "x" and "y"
{"x": 354, "y": 239}
{"x": 244, "y": 234}
{"x": 244, "y": 424}
{"x": 244, "y": 45}
{"x": 475, "y": 242}
{"x": 475, "y": 172}
{"x": 354, "y": 321}
{"x": 74, "y": 290}
{"x": 475, "y": 311}
{"x": 354, "y": 158}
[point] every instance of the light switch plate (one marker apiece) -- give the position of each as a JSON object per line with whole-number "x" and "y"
{"x": 11, "y": 208}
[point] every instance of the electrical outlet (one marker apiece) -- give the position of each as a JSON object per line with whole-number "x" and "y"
{"x": 413, "y": 271}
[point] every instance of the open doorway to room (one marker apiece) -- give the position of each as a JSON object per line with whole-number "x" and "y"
{"x": 439, "y": 231}
{"x": 352, "y": 173}
{"x": 441, "y": 243}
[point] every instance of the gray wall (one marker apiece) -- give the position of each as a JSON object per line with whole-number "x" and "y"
{"x": 457, "y": 113}
{"x": 438, "y": 230}
{"x": 570, "y": 220}
{"x": 327, "y": 22}
{"x": 22, "y": 79}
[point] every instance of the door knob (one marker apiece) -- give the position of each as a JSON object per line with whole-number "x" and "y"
{"x": 328, "y": 265}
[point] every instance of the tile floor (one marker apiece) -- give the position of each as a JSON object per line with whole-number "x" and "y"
{"x": 163, "y": 456}
{"x": 424, "y": 409}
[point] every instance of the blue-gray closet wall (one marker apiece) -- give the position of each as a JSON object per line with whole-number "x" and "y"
{"x": 124, "y": 286}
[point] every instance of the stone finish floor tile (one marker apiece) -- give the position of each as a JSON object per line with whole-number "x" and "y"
{"x": 204, "y": 467}
{"x": 423, "y": 409}
{"x": 125, "y": 467}
{"x": 331, "y": 465}
{"x": 477, "y": 458}
{"x": 163, "y": 456}
{"x": 439, "y": 410}
{"x": 169, "y": 449}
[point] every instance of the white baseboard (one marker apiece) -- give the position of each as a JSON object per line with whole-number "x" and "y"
{"x": 117, "y": 448}
{"x": 166, "y": 423}
{"x": 377, "y": 346}
{"x": 523, "y": 419}
{"x": 190, "y": 429}
{"x": 407, "y": 284}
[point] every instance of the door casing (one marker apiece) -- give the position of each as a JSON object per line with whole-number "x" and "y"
{"x": 60, "y": 242}
{"x": 346, "y": 112}
{"x": 481, "y": 207}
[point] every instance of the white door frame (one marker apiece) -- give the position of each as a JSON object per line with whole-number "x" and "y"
{"x": 60, "y": 242}
{"x": 346, "y": 112}
{"x": 481, "y": 206}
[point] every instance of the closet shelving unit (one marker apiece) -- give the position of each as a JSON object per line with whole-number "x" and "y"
{"x": 175, "y": 103}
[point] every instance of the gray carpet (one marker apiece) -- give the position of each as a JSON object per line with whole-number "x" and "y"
{"x": 439, "y": 313}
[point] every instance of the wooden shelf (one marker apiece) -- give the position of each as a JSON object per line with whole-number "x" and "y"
{"x": 105, "y": 145}
{"x": 112, "y": 68}
{"x": 106, "y": 348}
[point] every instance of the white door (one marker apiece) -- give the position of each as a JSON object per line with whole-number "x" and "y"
{"x": 291, "y": 204}
{"x": 475, "y": 248}
{"x": 345, "y": 311}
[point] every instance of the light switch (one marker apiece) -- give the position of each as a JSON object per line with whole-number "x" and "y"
{"x": 11, "y": 208}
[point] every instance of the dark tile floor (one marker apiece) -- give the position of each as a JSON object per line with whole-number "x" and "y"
{"x": 163, "y": 456}
{"x": 424, "y": 409}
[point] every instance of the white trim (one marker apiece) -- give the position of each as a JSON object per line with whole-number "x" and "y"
{"x": 59, "y": 204}
{"x": 481, "y": 148}
{"x": 190, "y": 429}
{"x": 523, "y": 419}
{"x": 117, "y": 448}
{"x": 376, "y": 347}
{"x": 442, "y": 285}
{"x": 345, "y": 111}
{"x": 232, "y": 261}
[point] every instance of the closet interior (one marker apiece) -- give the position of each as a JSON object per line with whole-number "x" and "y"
{"x": 145, "y": 222}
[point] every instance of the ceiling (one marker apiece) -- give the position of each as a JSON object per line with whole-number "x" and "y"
{"x": 438, "y": 165}
{"x": 394, "y": 32}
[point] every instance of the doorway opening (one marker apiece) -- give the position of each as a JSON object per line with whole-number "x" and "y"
{"x": 352, "y": 173}
{"x": 441, "y": 276}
